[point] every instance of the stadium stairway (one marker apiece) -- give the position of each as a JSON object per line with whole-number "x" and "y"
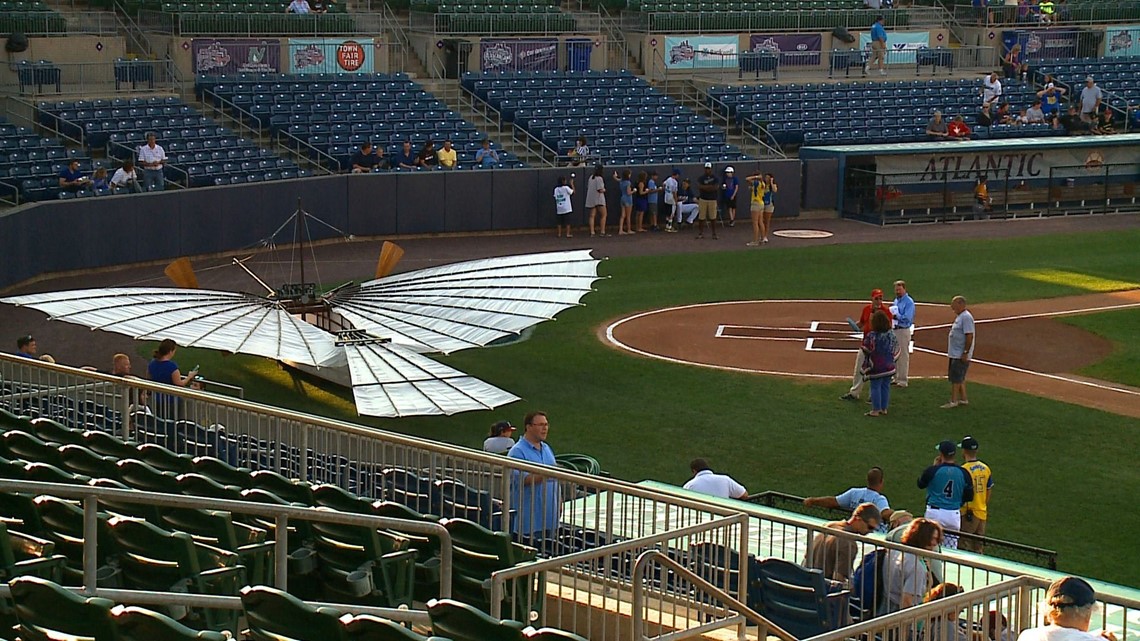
{"x": 453, "y": 96}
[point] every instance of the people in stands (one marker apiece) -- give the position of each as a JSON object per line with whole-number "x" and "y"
{"x": 625, "y": 194}
{"x": 152, "y": 158}
{"x": 365, "y": 160}
{"x": 1014, "y": 64}
{"x": 448, "y": 157}
{"x": 1046, "y": 9}
{"x": 564, "y": 205}
{"x": 708, "y": 482}
{"x": 500, "y": 440}
{"x": 1071, "y": 122}
{"x": 596, "y": 201}
{"x": 1091, "y": 96}
{"x": 985, "y": 116}
{"x": 320, "y": 6}
{"x": 126, "y": 177}
{"x": 878, "y": 46}
{"x": 535, "y": 496}
{"x": 944, "y": 625}
{"x": 1051, "y": 100}
{"x": 991, "y": 88}
{"x": 1104, "y": 125}
{"x": 580, "y": 154}
{"x": 641, "y": 200}
{"x": 835, "y": 555}
{"x": 937, "y": 128}
{"x": 1003, "y": 115}
{"x": 426, "y": 158}
{"x": 163, "y": 369}
{"x": 99, "y": 179}
{"x": 948, "y": 488}
{"x": 1069, "y": 606}
{"x": 26, "y": 347}
{"x": 958, "y": 129}
{"x": 486, "y": 157}
{"x": 1034, "y": 114}
{"x": 298, "y": 6}
{"x": 906, "y": 576}
{"x": 71, "y": 179}
{"x": 406, "y": 158}
{"x": 871, "y": 493}
{"x": 729, "y": 189}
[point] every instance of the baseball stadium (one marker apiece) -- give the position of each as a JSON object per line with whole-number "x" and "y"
{"x": 345, "y": 220}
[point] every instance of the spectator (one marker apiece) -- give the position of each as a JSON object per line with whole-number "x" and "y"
{"x": 427, "y": 159}
{"x": 960, "y": 347}
{"x": 875, "y": 305}
{"x": 596, "y": 200}
{"x": 707, "y": 193}
{"x": 836, "y": 555}
{"x": 1014, "y": 65}
{"x": 298, "y": 6}
{"x": 126, "y": 177}
{"x": 902, "y": 310}
{"x": 99, "y": 179}
{"x": 976, "y": 511}
{"x": 499, "y": 440}
{"x": 672, "y": 203}
{"x": 757, "y": 187}
{"x": 689, "y": 207}
{"x": 563, "y": 205}
{"x": 1051, "y": 100}
{"x": 163, "y": 369}
{"x": 1022, "y": 117}
{"x": 1069, "y": 606}
{"x": 991, "y": 88}
{"x": 730, "y": 188}
{"x": 653, "y": 198}
{"x": 447, "y": 156}
{"x": 944, "y": 625}
{"x": 365, "y": 160}
{"x": 71, "y": 179}
{"x": 1091, "y": 97}
{"x": 580, "y": 154}
{"x": 958, "y": 129}
{"x": 486, "y": 157}
{"x": 982, "y": 198}
{"x": 1003, "y": 115}
{"x": 1104, "y": 126}
{"x": 534, "y": 495}
{"x": 948, "y": 488}
{"x": 880, "y": 348}
{"x": 871, "y": 493}
{"x": 26, "y": 347}
{"x": 1071, "y": 122}
{"x": 769, "y": 204}
{"x": 1034, "y": 114}
{"x": 641, "y": 200}
{"x": 907, "y": 576}
{"x": 625, "y": 194}
{"x": 120, "y": 365}
{"x": 1046, "y": 9}
{"x": 878, "y": 46}
{"x": 406, "y": 158}
{"x": 152, "y": 159}
{"x": 706, "y": 481}
{"x": 896, "y": 525}
{"x": 937, "y": 128}
{"x": 986, "y": 117}
{"x": 320, "y": 6}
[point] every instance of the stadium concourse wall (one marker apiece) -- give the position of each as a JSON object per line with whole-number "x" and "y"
{"x": 94, "y": 51}
{"x": 180, "y": 50}
{"x": 91, "y": 233}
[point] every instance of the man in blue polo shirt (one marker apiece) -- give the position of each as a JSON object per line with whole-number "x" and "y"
{"x": 878, "y": 46}
{"x": 855, "y": 496}
{"x": 948, "y": 487}
{"x": 534, "y": 496}
{"x": 26, "y": 347}
{"x": 902, "y": 311}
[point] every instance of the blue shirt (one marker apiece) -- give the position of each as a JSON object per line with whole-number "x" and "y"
{"x": 653, "y": 193}
{"x": 405, "y": 159}
{"x": 855, "y": 496}
{"x": 70, "y": 176}
{"x": 731, "y": 188}
{"x": 948, "y": 486}
{"x": 486, "y": 157}
{"x": 537, "y": 506}
{"x": 878, "y": 32}
{"x": 904, "y": 318}
{"x": 769, "y": 195}
{"x": 26, "y": 355}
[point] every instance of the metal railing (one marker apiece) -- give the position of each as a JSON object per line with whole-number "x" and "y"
{"x": 54, "y": 23}
{"x": 281, "y": 515}
{"x": 498, "y": 24}
{"x": 43, "y": 78}
{"x": 249, "y": 24}
{"x": 1065, "y": 15}
{"x": 779, "y": 21}
{"x": 399, "y": 49}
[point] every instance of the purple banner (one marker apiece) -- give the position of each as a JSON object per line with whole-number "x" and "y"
{"x": 215, "y": 57}
{"x": 793, "y": 48}
{"x": 518, "y": 55}
{"x": 1038, "y": 44}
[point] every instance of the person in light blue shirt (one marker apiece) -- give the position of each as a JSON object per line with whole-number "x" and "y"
{"x": 903, "y": 313}
{"x": 534, "y": 496}
{"x": 486, "y": 157}
{"x": 855, "y": 496}
{"x": 878, "y": 46}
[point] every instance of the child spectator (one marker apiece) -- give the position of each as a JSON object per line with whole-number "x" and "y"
{"x": 563, "y": 205}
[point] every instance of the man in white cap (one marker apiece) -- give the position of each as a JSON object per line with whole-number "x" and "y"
{"x": 1091, "y": 96}
{"x": 729, "y": 188}
{"x": 1069, "y": 606}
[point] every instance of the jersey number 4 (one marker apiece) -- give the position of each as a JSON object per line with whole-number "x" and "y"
{"x": 948, "y": 490}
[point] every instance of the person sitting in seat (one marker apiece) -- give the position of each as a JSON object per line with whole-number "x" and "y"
{"x": 447, "y": 156}
{"x": 71, "y": 179}
{"x": 958, "y": 129}
{"x": 298, "y": 6}
{"x": 99, "y": 179}
{"x": 365, "y": 161}
{"x": 936, "y": 128}
{"x": 125, "y": 177}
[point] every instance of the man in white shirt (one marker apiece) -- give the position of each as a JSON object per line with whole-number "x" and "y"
{"x": 298, "y": 6}
{"x": 152, "y": 157}
{"x": 991, "y": 88}
{"x": 671, "y": 186}
{"x": 125, "y": 177}
{"x": 706, "y": 482}
{"x": 1069, "y": 604}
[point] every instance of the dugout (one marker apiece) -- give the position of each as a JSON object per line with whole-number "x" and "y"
{"x": 932, "y": 181}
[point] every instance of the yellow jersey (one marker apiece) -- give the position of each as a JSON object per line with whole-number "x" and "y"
{"x": 758, "y": 189}
{"x": 983, "y": 480}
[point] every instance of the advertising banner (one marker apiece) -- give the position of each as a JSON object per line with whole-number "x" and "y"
{"x": 1038, "y": 44}
{"x": 518, "y": 55}
{"x": 1122, "y": 40}
{"x": 1023, "y": 163}
{"x": 794, "y": 48}
{"x": 241, "y": 55}
{"x": 331, "y": 55}
{"x": 701, "y": 52}
{"x": 901, "y": 45}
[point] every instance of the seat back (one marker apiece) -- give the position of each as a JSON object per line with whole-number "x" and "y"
{"x": 794, "y": 597}
{"x": 274, "y": 615}
{"x": 47, "y": 611}
{"x": 139, "y": 624}
{"x": 461, "y": 622}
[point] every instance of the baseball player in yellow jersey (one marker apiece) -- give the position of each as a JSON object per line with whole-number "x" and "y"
{"x": 976, "y": 512}
{"x": 757, "y": 187}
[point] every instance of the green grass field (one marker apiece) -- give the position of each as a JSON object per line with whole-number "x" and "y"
{"x": 1066, "y": 476}
{"x": 1123, "y": 329}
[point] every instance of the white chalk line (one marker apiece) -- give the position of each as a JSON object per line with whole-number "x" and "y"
{"x": 1067, "y": 312}
{"x": 1021, "y": 370}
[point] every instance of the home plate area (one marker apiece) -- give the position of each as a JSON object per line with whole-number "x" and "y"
{"x": 817, "y": 336}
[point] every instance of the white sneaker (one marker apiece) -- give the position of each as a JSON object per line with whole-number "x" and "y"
{"x": 882, "y": 72}
{"x": 751, "y": 243}
{"x": 765, "y": 239}
{"x": 950, "y": 405}
{"x": 963, "y": 402}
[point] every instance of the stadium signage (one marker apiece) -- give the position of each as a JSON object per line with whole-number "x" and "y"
{"x": 331, "y": 55}
{"x": 793, "y": 49}
{"x": 518, "y": 55}
{"x": 1037, "y": 44}
{"x": 1121, "y": 41}
{"x": 901, "y": 45}
{"x": 239, "y": 55}
{"x": 1019, "y": 165}
{"x": 701, "y": 52}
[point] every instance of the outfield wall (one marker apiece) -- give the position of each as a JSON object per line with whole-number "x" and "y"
{"x": 90, "y": 233}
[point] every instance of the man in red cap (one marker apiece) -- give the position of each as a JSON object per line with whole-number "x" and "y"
{"x": 865, "y": 324}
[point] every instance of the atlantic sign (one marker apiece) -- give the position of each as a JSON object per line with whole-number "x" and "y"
{"x": 1019, "y": 165}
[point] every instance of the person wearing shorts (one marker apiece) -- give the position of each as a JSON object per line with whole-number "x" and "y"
{"x": 878, "y": 46}
{"x": 757, "y": 187}
{"x": 960, "y": 349}
{"x": 708, "y": 191}
{"x": 769, "y": 206}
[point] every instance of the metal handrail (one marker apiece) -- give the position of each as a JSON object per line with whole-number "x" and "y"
{"x": 767, "y": 627}
{"x": 281, "y": 513}
{"x": 747, "y": 133}
{"x": 306, "y": 145}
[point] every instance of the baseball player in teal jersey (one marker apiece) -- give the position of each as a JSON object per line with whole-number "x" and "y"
{"x": 948, "y": 487}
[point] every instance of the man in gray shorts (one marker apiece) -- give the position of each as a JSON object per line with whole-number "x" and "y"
{"x": 960, "y": 349}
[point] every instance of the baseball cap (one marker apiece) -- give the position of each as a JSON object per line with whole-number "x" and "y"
{"x": 708, "y": 165}
{"x": 729, "y": 170}
{"x": 876, "y": 293}
{"x": 947, "y": 448}
{"x": 969, "y": 443}
{"x": 1089, "y": 79}
{"x": 1071, "y": 592}
{"x": 501, "y": 426}
{"x": 676, "y": 172}
{"x": 899, "y": 516}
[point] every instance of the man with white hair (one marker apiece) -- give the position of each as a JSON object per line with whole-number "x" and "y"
{"x": 1069, "y": 606}
{"x": 991, "y": 88}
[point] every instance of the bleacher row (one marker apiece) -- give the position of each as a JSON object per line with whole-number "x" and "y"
{"x": 30, "y": 164}
{"x": 864, "y": 112}
{"x": 1118, "y": 76}
{"x": 625, "y": 120}
{"x": 200, "y": 153}
{"x": 334, "y": 115}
